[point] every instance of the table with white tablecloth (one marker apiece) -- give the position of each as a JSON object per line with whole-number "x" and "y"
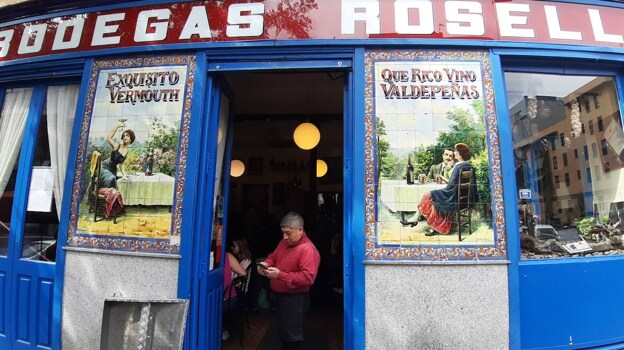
{"x": 398, "y": 196}
{"x": 141, "y": 189}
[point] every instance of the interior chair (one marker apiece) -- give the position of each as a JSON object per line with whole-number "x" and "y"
{"x": 463, "y": 215}
{"x": 235, "y": 311}
{"x": 97, "y": 201}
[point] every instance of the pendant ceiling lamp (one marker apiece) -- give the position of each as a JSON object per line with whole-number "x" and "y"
{"x": 237, "y": 168}
{"x": 307, "y": 136}
{"x": 321, "y": 168}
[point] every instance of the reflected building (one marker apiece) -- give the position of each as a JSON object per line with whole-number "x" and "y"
{"x": 569, "y": 177}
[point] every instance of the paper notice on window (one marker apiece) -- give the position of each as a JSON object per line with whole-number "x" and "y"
{"x": 41, "y": 191}
{"x": 615, "y": 138}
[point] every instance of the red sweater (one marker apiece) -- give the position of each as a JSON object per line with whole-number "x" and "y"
{"x": 298, "y": 266}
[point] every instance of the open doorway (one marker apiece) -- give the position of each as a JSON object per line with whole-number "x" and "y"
{"x": 280, "y": 177}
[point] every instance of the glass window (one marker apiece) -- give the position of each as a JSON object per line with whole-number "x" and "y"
{"x": 590, "y": 124}
{"x": 555, "y": 165}
{"x": 41, "y": 227}
{"x": 600, "y": 124}
{"x": 15, "y": 108}
{"x": 51, "y": 147}
{"x": 590, "y": 195}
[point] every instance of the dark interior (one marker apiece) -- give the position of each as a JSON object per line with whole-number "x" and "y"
{"x": 280, "y": 177}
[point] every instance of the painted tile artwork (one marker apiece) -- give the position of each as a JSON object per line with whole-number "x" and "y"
{"x": 127, "y": 188}
{"x": 428, "y": 116}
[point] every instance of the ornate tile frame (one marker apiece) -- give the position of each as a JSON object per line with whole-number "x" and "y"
{"x": 129, "y": 244}
{"x": 373, "y": 250}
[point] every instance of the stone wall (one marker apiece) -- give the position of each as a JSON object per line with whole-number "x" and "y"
{"x": 92, "y": 277}
{"x": 437, "y": 306}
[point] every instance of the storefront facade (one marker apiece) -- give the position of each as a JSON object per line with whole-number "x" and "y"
{"x": 121, "y": 124}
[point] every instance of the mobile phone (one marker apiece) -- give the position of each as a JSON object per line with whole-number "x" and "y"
{"x": 262, "y": 266}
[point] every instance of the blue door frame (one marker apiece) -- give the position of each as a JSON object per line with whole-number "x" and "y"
{"x": 30, "y": 316}
{"x": 192, "y": 263}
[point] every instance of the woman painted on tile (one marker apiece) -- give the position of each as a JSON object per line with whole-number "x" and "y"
{"x": 439, "y": 206}
{"x": 108, "y": 173}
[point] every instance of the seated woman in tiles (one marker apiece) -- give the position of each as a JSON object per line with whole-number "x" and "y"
{"x": 438, "y": 207}
{"x": 108, "y": 173}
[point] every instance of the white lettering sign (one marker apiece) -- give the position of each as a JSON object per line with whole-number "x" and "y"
{"x": 77, "y": 25}
{"x": 507, "y": 21}
{"x": 402, "y": 17}
{"x": 599, "y": 33}
{"x": 366, "y": 11}
{"x": 159, "y": 28}
{"x": 554, "y": 27}
{"x": 196, "y": 24}
{"x": 102, "y": 28}
{"x": 245, "y": 20}
{"x": 5, "y": 41}
{"x": 32, "y": 39}
{"x": 464, "y": 18}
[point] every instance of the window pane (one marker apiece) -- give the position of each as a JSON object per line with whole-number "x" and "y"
{"x": 41, "y": 227}
{"x": 558, "y": 216}
{"x": 12, "y": 121}
{"x": 6, "y": 206}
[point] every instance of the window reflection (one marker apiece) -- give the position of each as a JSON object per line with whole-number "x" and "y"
{"x": 563, "y": 215}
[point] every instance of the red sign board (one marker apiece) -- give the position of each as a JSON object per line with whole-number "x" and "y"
{"x": 236, "y": 20}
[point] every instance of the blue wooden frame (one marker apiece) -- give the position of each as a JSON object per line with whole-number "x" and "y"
{"x": 20, "y": 199}
{"x": 189, "y": 245}
{"x": 70, "y": 71}
{"x": 354, "y": 247}
{"x": 591, "y": 268}
{"x": 354, "y": 166}
{"x": 206, "y": 209}
{"x": 41, "y": 82}
{"x": 63, "y": 225}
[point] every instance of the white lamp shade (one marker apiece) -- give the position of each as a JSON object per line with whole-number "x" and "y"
{"x": 237, "y": 168}
{"x": 321, "y": 168}
{"x": 307, "y": 136}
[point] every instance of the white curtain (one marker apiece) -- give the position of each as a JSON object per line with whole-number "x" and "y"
{"x": 61, "y": 108}
{"x": 12, "y": 122}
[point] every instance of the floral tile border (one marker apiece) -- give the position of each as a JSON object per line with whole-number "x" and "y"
{"x": 441, "y": 252}
{"x": 163, "y": 246}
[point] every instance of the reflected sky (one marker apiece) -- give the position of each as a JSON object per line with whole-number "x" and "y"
{"x": 519, "y": 85}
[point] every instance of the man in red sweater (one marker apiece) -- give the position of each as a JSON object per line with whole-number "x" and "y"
{"x": 292, "y": 268}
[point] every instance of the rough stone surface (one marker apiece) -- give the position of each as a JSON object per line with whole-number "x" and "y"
{"x": 437, "y": 307}
{"x": 91, "y": 277}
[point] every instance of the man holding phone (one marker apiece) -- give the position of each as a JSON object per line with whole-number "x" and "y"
{"x": 292, "y": 268}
